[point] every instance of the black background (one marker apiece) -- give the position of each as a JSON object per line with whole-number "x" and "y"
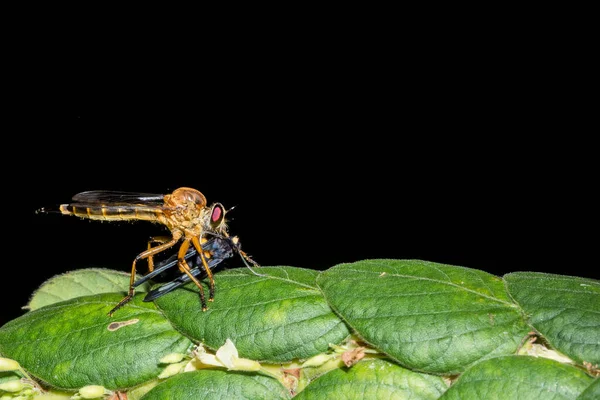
{"x": 301, "y": 199}
{"x": 326, "y": 160}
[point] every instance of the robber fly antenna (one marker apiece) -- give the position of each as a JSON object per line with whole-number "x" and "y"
{"x": 230, "y": 209}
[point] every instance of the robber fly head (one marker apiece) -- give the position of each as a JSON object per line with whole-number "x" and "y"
{"x": 217, "y": 221}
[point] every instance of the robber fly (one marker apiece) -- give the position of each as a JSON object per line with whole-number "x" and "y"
{"x": 184, "y": 212}
{"x": 216, "y": 250}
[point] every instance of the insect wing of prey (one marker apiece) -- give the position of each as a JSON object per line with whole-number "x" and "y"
{"x": 219, "y": 249}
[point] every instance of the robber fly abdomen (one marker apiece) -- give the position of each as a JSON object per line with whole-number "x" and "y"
{"x": 113, "y": 213}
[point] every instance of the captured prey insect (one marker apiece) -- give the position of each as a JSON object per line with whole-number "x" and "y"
{"x": 216, "y": 250}
{"x": 184, "y": 212}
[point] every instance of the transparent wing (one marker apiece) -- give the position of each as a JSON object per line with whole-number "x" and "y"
{"x": 96, "y": 197}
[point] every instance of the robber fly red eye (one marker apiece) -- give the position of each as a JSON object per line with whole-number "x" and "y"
{"x": 217, "y": 215}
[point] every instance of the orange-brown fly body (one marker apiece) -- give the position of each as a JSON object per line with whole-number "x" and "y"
{"x": 184, "y": 212}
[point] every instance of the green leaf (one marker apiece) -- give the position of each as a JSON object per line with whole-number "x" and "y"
{"x": 519, "y": 377}
{"x": 81, "y": 282}
{"x": 276, "y": 317}
{"x": 592, "y": 392}
{"x": 53, "y": 395}
{"x": 373, "y": 379}
{"x": 564, "y": 309}
{"x": 427, "y": 316}
{"x": 75, "y": 343}
{"x": 215, "y": 385}
{"x": 139, "y": 391}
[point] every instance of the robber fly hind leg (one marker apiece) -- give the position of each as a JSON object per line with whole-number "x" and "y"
{"x": 155, "y": 240}
{"x": 146, "y": 254}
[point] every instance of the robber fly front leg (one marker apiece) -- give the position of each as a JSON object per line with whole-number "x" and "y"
{"x": 148, "y": 253}
{"x": 183, "y": 266}
{"x": 211, "y": 281}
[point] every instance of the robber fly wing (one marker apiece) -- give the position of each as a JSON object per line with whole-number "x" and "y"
{"x": 117, "y": 197}
{"x": 127, "y": 201}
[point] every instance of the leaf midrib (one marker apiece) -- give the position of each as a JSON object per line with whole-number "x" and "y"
{"x": 420, "y": 278}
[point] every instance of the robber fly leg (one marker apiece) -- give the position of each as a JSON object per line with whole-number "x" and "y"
{"x": 153, "y": 240}
{"x": 211, "y": 281}
{"x": 183, "y": 266}
{"x": 148, "y": 253}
